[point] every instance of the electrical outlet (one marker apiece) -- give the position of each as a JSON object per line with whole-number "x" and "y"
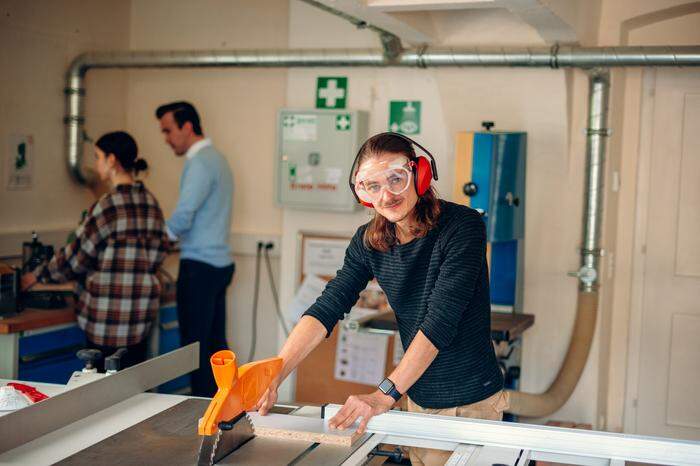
{"x": 247, "y": 244}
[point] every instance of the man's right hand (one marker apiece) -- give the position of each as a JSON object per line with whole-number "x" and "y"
{"x": 268, "y": 399}
{"x": 28, "y": 280}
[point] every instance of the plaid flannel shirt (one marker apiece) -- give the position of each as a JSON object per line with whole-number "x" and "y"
{"x": 114, "y": 258}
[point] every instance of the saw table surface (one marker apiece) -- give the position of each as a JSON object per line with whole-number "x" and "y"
{"x": 156, "y": 429}
{"x": 170, "y": 438}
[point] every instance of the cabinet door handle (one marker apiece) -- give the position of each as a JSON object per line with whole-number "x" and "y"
{"x": 170, "y": 325}
{"x": 37, "y": 357}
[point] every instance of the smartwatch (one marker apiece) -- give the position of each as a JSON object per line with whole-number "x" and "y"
{"x": 387, "y": 387}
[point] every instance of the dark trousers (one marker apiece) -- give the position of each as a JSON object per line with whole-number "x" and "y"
{"x": 201, "y": 311}
{"x": 135, "y": 354}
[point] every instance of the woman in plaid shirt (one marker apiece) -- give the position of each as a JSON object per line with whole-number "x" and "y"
{"x": 115, "y": 255}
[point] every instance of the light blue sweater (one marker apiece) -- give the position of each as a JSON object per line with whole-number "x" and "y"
{"x": 202, "y": 218}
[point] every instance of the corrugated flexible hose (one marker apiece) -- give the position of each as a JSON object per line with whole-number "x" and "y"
{"x": 544, "y": 404}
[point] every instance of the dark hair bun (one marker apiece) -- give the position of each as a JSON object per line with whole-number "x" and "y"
{"x": 140, "y": 165}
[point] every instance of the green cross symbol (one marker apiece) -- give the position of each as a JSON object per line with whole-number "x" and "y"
{"x": 342, "y": 122}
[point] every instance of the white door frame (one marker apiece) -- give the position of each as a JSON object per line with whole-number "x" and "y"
{"x": 646, "y": 132}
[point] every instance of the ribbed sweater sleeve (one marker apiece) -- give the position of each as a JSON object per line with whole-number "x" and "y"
{"x": 463, "y": 246}
{"x": 342, "y": 292}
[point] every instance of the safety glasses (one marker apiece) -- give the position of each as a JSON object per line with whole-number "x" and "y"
{"x": 395, "y": 179}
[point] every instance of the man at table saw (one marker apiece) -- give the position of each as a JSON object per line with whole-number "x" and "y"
{"x": 429, "y": 257}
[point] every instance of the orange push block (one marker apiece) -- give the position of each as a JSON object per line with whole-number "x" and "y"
{"x": 239, "y": 388}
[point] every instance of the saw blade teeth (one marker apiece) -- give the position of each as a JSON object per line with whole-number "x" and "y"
{"x": 216, "y": 444}
{"x": 249, "y": 421}
{"x": 207, "y": 449}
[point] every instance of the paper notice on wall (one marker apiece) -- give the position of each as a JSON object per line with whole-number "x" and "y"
{"x": 324, "y": 257}
{"x": 305, "y": 174}
{"x": 310, "y": 289}
{"x": 299, "y": 127}
{"x": 360, "y": 357}
{"x": 20, "y": 162}
{"x": 333, "y": 175}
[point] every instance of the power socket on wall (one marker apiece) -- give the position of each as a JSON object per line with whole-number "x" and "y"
{"x": 247, "y": 244}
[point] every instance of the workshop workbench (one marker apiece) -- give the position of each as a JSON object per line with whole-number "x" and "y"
{"x": 31, "y": 322}
{"x": 23, "y": 324}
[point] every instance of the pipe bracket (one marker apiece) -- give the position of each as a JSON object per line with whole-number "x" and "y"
{"x": 597, "y": 252}
{"x": 420, "y": 61}
{"x": 392, "y": 46}
{"x": 73, "y": 119}
{"x": 554, "y": 58}
{"x": 606, "y": 132}
{"x": 74, "y": 91}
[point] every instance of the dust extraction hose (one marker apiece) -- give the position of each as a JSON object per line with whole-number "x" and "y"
{"x": 544, "y": 404}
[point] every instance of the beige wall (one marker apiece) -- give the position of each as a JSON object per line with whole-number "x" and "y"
{"x": 39, "y": 40}
{"x": 238, "y": 110}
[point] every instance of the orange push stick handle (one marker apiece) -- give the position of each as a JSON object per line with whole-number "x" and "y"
{"x": 239, "y": 388}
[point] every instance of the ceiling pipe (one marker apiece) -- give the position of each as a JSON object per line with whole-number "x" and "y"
{"x": 548, "y": 57}
{"x": 524, "y": 404}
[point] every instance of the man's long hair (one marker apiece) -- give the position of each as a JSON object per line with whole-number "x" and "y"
{"x": 381, "y": 233}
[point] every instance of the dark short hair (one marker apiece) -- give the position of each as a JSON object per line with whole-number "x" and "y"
{"x": 124, "y": 148}
{"x": 182, "y": 113}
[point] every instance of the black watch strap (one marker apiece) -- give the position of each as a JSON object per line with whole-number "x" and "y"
{"x": 388, "y": 388}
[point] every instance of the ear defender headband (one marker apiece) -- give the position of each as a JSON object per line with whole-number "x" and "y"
{"x": 424, "y": 170}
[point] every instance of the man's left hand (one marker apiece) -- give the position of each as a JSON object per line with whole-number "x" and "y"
{"x": 361, "y": 406}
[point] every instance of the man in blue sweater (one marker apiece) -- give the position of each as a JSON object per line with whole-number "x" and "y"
{"x": 201, "y": 222}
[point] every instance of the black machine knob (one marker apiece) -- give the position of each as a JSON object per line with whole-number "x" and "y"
{"x": 470, "y": 189}
{"x": 113, "y": 362}
{"x": 89, "y": 356}
{"x": 487, "y": 125}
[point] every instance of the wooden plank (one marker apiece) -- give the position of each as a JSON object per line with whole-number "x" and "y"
{"x": 30, "y": 319}
{"x": 290, "y": 427}
{"x": 67, "y": 287}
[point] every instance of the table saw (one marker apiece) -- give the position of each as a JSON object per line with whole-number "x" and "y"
{"x": 112, "y": 421}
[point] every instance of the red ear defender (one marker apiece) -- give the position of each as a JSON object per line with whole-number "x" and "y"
{"x": 424, "y": 174}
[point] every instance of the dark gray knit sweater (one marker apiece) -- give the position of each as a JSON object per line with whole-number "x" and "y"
{"x": 437, "y": 284}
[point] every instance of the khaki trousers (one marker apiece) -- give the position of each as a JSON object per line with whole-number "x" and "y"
{"x": 490, "y": 408}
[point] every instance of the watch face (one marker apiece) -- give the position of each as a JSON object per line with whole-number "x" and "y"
{"x": 386, "y": 386}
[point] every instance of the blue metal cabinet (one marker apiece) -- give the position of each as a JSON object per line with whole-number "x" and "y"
{"x": 498, "y": 177}
{"x": 506, "y": 219}
{"x": 490, "y": 177}
{"x": 49, "y": 355}
{"x": 169, "y": 340}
